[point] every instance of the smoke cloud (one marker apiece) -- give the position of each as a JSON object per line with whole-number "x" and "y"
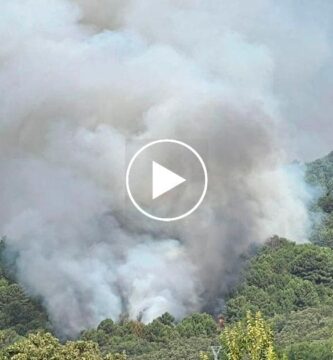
{"x": 79, "y": 79}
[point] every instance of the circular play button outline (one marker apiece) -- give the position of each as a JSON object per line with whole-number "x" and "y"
{"x": 187, "y": 213}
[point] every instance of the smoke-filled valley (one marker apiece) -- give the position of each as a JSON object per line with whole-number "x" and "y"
{"x": 80, "y": 80}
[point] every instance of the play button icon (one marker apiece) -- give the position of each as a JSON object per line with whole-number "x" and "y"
{"x": 166, "y": 180}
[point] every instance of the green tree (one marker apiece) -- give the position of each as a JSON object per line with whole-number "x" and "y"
{"x": 250, "y": 339}
{"x": 44, "y": 346}
{"x": 8, "y": 337}
{"x": 37, "y": 346}
{"x": 107, "y": 326}
{"x": 319, "y": 174}
{"x": 196, "y": 325}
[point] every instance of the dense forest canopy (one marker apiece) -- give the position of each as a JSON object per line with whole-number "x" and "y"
{"x": 320, "y": 174}
{"x": 288, "y": 285}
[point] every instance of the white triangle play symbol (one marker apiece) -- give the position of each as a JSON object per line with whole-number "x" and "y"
{"x": 164, "y": 180}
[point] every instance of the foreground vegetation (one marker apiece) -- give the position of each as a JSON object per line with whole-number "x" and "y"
{"x": 282, "y": 308}
{"x": 289, "y": 285}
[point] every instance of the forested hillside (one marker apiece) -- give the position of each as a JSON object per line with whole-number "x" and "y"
{"x": 320, "y": 173}
{"x": 288, "y": 285}
{"x": 292, "y": 285}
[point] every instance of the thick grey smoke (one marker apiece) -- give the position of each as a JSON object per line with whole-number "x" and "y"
{"x": 78, "y": 79}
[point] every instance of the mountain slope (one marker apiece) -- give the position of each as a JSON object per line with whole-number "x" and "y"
{"x": 319, "y": 173}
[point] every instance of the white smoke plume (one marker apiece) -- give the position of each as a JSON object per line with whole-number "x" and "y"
{"x": 78, "y": 79}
